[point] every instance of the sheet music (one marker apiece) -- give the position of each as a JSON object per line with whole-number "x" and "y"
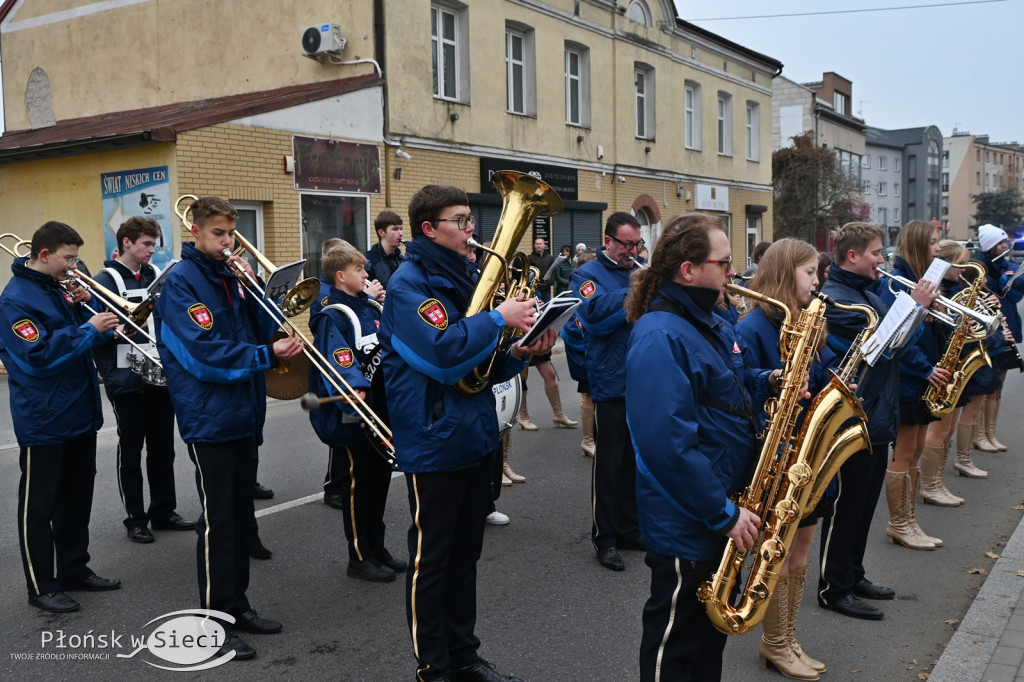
{"x": 896, "y": 327}
{"x": 551, "y": 271}
{"x": 283, "y": 279}
{"x": 554, "y": 316}
{"x": 936, "y": 271}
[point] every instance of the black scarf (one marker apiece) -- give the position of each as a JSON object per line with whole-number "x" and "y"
{"x": 443, "y": 262}
{"x": 704, "y": 298}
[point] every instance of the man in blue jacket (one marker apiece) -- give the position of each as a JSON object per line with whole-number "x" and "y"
{"x": 46, "y": 345}
{"x": 213, "y": 346}
{"x": 602, "y": 286}
{"x": 386, "y": 255}
{"x": 445, "y": 437}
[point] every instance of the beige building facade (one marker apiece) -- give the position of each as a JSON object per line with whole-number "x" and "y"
{"x": 972, "y": 165}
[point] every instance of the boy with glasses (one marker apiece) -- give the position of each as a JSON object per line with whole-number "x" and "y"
{"x": 46, "y": 344}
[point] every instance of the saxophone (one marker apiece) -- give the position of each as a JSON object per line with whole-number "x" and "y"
{"x": 942, "y": 400}
{"x": 783, "y": 479}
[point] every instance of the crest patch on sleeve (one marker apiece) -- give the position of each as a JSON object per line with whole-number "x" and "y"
{"x": 588, "y": 288}
{"x": 26, "y": 330}
{"x": 201, "y": 315}
{"x": 344, "y": 357}
{"x": 433, "y": 313}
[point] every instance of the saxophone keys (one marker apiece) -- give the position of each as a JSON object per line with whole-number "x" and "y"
{"x": 799, "y": 474}
{"x": 773, "y": 551}
{"x": 787, "y": 511}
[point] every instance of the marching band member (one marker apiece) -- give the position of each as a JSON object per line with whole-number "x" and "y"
{"x": 689, "y": 404}
{"x": 46, "y": 345}
{"x": 358, "y": 478}
{"x": 917, "y": 245}
{"x": 143, "y": 411}
{"x": 373, "y": 288}
{"x": 386, "y": 255}
{"x": 787, "y": 272}
{"x": 444, "y": 439}
{"x": 211, "y": 342}
{"x": 602, "y": 285}
{"x": 843, "y": 583}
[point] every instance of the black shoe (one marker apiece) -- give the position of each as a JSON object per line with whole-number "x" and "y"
{"x": 250, "y": 621}
{"x": 257, "y": 550}
{"x": 610, "y": 558}
{"x": 233, "y": 642}
{"x": 261, "y": 493}
{"x": 866, "y": 589}
{"x": 372, "y": 570}
{"x": 173, "y": 522}
{"x": 93, "y": 583}
{"x": 632, "y": 543}
{"x": 140, "y": 534}
{"x": 54, "y": 602}
{"x": 481, "y": 671}
{"x": 396, "y": 565}
{"x": 336, "y": 501}
{"x": 854, "y": 608}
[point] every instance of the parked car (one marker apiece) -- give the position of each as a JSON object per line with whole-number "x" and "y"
{"x": 1016, "y": 254}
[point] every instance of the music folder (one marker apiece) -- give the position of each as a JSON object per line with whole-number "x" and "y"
{"x": 554, "y": 315}
{"x": 283, "y": 278}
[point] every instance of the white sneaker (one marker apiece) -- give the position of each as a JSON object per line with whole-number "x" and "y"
{"x": 496, "y": 518}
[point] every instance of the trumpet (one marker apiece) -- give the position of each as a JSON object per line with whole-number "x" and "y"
{"x": 956, "y": 311}
{"x": 642, "y": 266}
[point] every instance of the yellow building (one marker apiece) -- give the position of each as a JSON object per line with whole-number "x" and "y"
{"x": 313, "y": 118}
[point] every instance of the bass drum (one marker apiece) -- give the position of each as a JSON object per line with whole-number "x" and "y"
{"x": 508, "y": 397}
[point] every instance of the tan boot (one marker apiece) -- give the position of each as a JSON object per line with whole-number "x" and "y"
{"x": 963, "y": 464}
{"x": 525, "y": 423}
{"x": 797, "y": 580}
{"x": 933, "y": 489}
{"x": 557, "y": 414}
{"x": 774, "y": 645}
{"x": 507, "y": 472}
{"x": 588, "y": 446}
{"x": 915, "y": 473}
{"x": 898, "y": 495}
{"x": 980, "y": 438}
{"x": 991, "y": 417}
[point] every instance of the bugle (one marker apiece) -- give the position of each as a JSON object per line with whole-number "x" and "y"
{"x": 990, "y": 323}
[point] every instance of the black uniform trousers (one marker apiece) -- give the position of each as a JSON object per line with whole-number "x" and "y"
{"x": 613, "y": 479}
{"x": 844, "y": 534}
{"x": 361, "y": 477}
{"x": 54, "y": 505}
{"x": 145, "y": 417}
{"x": 679, "y": 643}
{"x": 445, "y": 541}
{"x": 224, "y": 479}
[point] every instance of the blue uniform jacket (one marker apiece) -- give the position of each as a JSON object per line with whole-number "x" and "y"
{"x": 997, "y": 275}
{"x": 46, "y": 345}
{"x": 879, "y": 386}
{"x": 922, "y": 351}
{"x": 602, "y": 286}
{"x": 429, "y": 345}
{"x": 212, "y": 343}
{"x": 119, "y": 381}
{"x": 334, "y": 336}
{"x": 381, "y": 266}
{"x": 321, "y": 299}
{"x": 575, "y": 348}
{"x": 690, "y": 455}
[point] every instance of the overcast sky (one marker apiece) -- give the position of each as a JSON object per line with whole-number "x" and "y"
{"x": 954, "y": 66}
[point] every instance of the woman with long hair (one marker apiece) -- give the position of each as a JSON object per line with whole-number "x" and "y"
{"x": 916, "y": 246}
{"x": 787, "y": 272}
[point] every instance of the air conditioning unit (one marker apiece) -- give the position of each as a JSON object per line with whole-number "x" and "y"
{"x": 322, "y": 40}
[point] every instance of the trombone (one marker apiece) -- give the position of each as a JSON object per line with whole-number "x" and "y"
{"x": 18, "y": 250}
{"x": 296, "y": 301}
{"x": 957, "y": 311}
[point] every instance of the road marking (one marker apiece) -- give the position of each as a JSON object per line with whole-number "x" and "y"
{"x": 315, "y": 497}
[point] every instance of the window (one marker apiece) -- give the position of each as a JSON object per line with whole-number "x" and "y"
{"x": 896, "y": 216}
{"x": 724, "y": 124}
{"x": 896, "y": 164}
{"x": 895, "y": 189}
{"x": 912, "y": 166}
{"x": 866, "y": 187}
{"x": 882, "y": 190}
{"x": 331, "y": 215}
{"x": 643, "y": 90}
{"x": 692, "y": 115}
{"x": 977, "y": 178}
{"x": 883, "y": 214}
{"x": 841, "y": 103}
{"x": 753, "y": 130}
{"x": 638, "y": 12}
{"x": 444, "y": 33}
{"x": 866, "y": 161}
{"x": 979, "y": 155}
{"x": 945, "y": 158}
{"x": 250, "y": 226}
{"x": 945, "y": 182}
{"x": 883, "y": 162}
{"x": 577, "y": 85}
{"x": 521, "y": 73}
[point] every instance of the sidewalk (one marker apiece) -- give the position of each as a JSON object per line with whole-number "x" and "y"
{"x": 989, "y": 641}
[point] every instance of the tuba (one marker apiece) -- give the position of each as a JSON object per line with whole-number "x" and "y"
{"x": 942, "y": 400}
{"x": 792, "y": 471}
{"x": 504, "y": 266}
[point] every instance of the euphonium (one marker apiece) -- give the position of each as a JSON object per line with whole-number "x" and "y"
{"x": 782, "y": 483}
{"x": 942, "y": 400}
{"x": 525, "y": 197}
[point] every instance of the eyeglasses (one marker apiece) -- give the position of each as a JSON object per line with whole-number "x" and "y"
{"x": 639, "y": 244}
{"x": 70, "y": 260}
{"x": 726, "y": 263}
{"x": 464, "y": 221}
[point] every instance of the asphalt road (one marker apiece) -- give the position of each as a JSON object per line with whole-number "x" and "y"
{"x": 547, "y": 610}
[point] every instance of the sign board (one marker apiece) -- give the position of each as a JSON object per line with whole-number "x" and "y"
{"x": 334, "y": 166}
{"x": 143, "y": 193}
{"x": 563, "y": 180}
{"x": 712, "y": 198}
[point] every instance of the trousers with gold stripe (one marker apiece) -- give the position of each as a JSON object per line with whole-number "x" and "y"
{"x": 362, "y": 478}
{"x": 54, "y": 506}
{"x": 225, "y": 474}
{"x": 445, "y": 540}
